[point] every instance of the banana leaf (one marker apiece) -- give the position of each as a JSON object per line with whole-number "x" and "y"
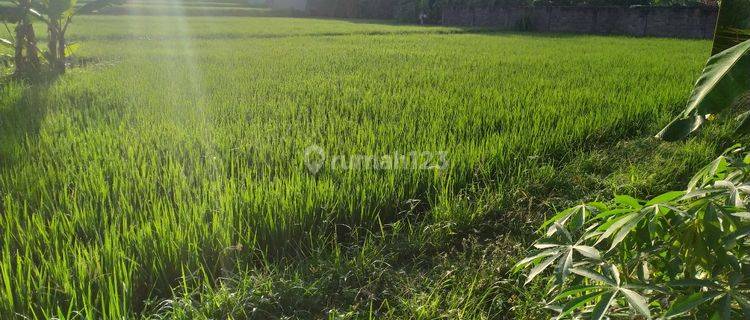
{"x": 725, "y": 79}
{"x": 726, "y": 76}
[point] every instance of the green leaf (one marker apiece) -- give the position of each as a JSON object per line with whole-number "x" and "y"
{"x": 706, "y": 173}
{"x": 612, "y": 212}
{"x": 616, "y": 225}
{"x": 536, "y": 270}
{"x": 576, "y": 303}
{"x": 615, "y": 273}
{"x": 593, "y": 275}
{"x": 563, "y": 216}
{"x": 625, "y": 230}
{"x": 724, "y": 310}
{"x": 71, "y": 49}
{"x": 690, "y": 302}
{"x": 680, "y": 128}
{"x": 744, "y": 120}
{"x": 693, "y": 283}
{"x": 557, "y": 217}
{"x": 666, "y": 197}
{"x": 563, "y": 267}
{"x": 57, "y": 9}
{"x": 558, "y": 228}
{"x": 601, "y": 308}
{"x": 724, "y": 79}
{"x": 637, "y": 301}
{"x": 731, "y": 240}
{"x": 523, "y": 263}
{"x": 588, "y": 252}
{"x": 574, "y": 291}
{"x": 546, "y": 245}
{"x": 629, "y": 201}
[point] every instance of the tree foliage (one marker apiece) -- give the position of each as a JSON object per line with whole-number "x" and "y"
{"x": 57, "y": 15}
{"x": 683, "y": 253}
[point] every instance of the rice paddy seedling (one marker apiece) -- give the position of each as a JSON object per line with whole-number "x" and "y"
{"x": 173, "y": 157}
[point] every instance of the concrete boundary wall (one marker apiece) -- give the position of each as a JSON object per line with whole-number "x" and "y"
{"x": 641, "y": 21}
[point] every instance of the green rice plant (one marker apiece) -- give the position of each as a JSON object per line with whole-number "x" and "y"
{"x": 173, "y": 163}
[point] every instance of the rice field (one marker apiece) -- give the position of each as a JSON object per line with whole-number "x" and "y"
{"x": 170, "y": 167}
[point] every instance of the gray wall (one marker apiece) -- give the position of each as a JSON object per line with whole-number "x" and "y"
{"x": 678, "y": 22}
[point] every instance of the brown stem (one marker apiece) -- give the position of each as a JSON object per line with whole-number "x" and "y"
{"x": 26, "y": 58}
{"x": 31, "y": 48}
{"x": 18, "y": 59}
{"x": 61, "y": 52}
{"x": 52, "y": 46}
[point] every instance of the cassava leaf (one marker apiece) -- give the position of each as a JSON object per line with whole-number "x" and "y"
{"x": 666, "y": 197}
{"x": 588, "y": 252}
{"x": 526, "y": 261}
{"x": 578, "y": 302}
{"x": 574, "y": 291}
{"x": 693, "y": 283}
{"x": 690, "y": 302}
{"x": 706, "y": 173}
{"x": 632, "y": 223}
{"x": 563, "y": 266}
{"x": 616, "y": 225}
{"x": 593, "y": 275}
{"x": 637, "y": 301}
{"x": 724, "y": 310}
{"x": 629, "y": 201}
{"x": 536, "y": 270}
{"x": 601, "y": 308}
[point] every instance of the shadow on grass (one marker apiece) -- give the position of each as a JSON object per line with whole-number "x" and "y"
{"x": 22, "y": 109}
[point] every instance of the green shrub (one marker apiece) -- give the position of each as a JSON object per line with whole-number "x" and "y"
{"x": 681, "y": 253}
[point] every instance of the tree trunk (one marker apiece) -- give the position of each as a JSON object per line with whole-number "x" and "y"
{"x": 31, "y": 49}
{"x": 56, "y": 47}
{"x": 61, "y": 52}
{"x": 18, "y": 58}
{"x": 25, "y": 59}
{"x": 52, "y": 46}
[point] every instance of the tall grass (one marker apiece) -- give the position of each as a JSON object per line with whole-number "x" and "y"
{"x": 160, "y": 166}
